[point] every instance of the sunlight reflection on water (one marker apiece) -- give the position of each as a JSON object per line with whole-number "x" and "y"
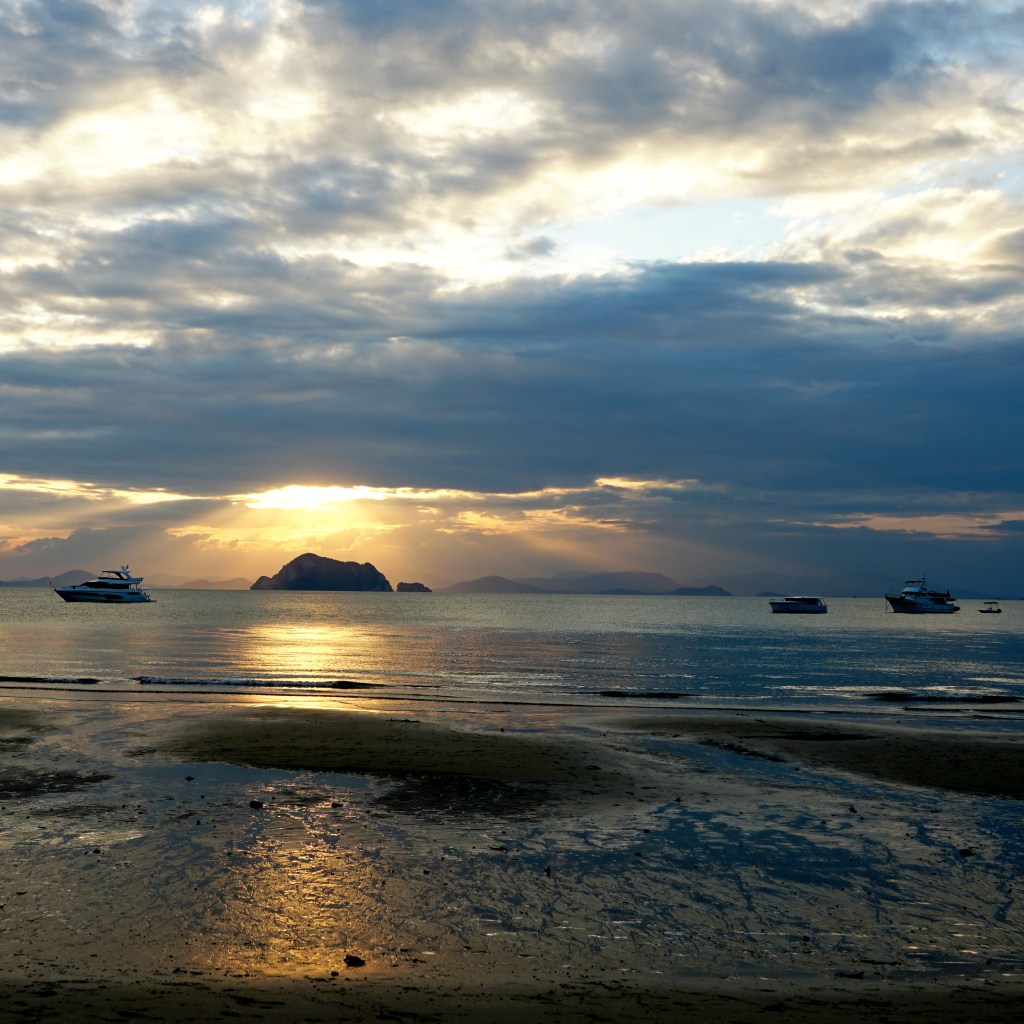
{"x": 582, "y": 649}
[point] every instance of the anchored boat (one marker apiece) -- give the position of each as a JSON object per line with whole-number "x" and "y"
{"x": 799, "y": 605}
{"x": 916, "y": 598}
{"x": 112, "y": 586}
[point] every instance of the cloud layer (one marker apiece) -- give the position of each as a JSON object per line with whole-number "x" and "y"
{"x": 756, "y": 263}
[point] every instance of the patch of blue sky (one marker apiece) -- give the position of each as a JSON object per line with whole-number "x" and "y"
{"x": 740, "y": 229}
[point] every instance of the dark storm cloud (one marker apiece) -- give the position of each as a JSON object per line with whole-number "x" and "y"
{"x": 48, "y": 49}
{"x": 1009, "y": 248}
{"x": 677, "y": 70}
{"x": 675, "y": 371}
{"x": 538, "y": 246}
{"x": 1014, "y": 526}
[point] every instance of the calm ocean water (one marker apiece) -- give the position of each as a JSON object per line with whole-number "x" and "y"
{"x": 588, "y": 650}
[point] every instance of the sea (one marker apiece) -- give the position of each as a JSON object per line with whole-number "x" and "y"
{"x": 487, "y": 649}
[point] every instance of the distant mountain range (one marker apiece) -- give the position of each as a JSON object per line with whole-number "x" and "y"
{"x": 857, "y": 584}
{"x": 75, "y": 576}
{"x": 852, "y": 584}
{"x": 584, "y": 583}
{"x": 66, "y": 579}
{"x": 238, "y": 583}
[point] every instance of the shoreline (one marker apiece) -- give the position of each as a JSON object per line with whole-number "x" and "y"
{"x": 879, "y": 707}
{"x": 327, "y": 1000}
{"x": 520, "y": 866}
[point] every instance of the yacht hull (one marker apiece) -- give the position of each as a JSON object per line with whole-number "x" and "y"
{"x": 83, "y": 597}
{"x": 798, "y": 605}
{"x": 899, "y": 604}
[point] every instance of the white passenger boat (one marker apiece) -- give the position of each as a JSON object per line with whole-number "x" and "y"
{"x": 916, "y": 598}
{"x": 799, "y": 605}
{"x": 112, "y": 586}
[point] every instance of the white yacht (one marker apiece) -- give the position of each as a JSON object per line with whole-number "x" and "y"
{"x": 799, "y": 605}
{"x": 916, "y": 598}
{"x": 112, "y": 586}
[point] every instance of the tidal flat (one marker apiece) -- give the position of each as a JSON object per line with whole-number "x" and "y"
{"x": 196, "y": 856}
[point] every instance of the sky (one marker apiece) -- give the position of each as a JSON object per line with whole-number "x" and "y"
{"x": 475, "y": 287}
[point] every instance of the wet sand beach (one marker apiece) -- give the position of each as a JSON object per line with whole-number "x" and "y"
{"x": 199, "y": 857}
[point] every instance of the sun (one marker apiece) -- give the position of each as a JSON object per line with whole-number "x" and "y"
{"x": 302, "y": 498}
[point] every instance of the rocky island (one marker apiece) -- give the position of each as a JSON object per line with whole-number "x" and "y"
{"x": 315, "y": 572}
